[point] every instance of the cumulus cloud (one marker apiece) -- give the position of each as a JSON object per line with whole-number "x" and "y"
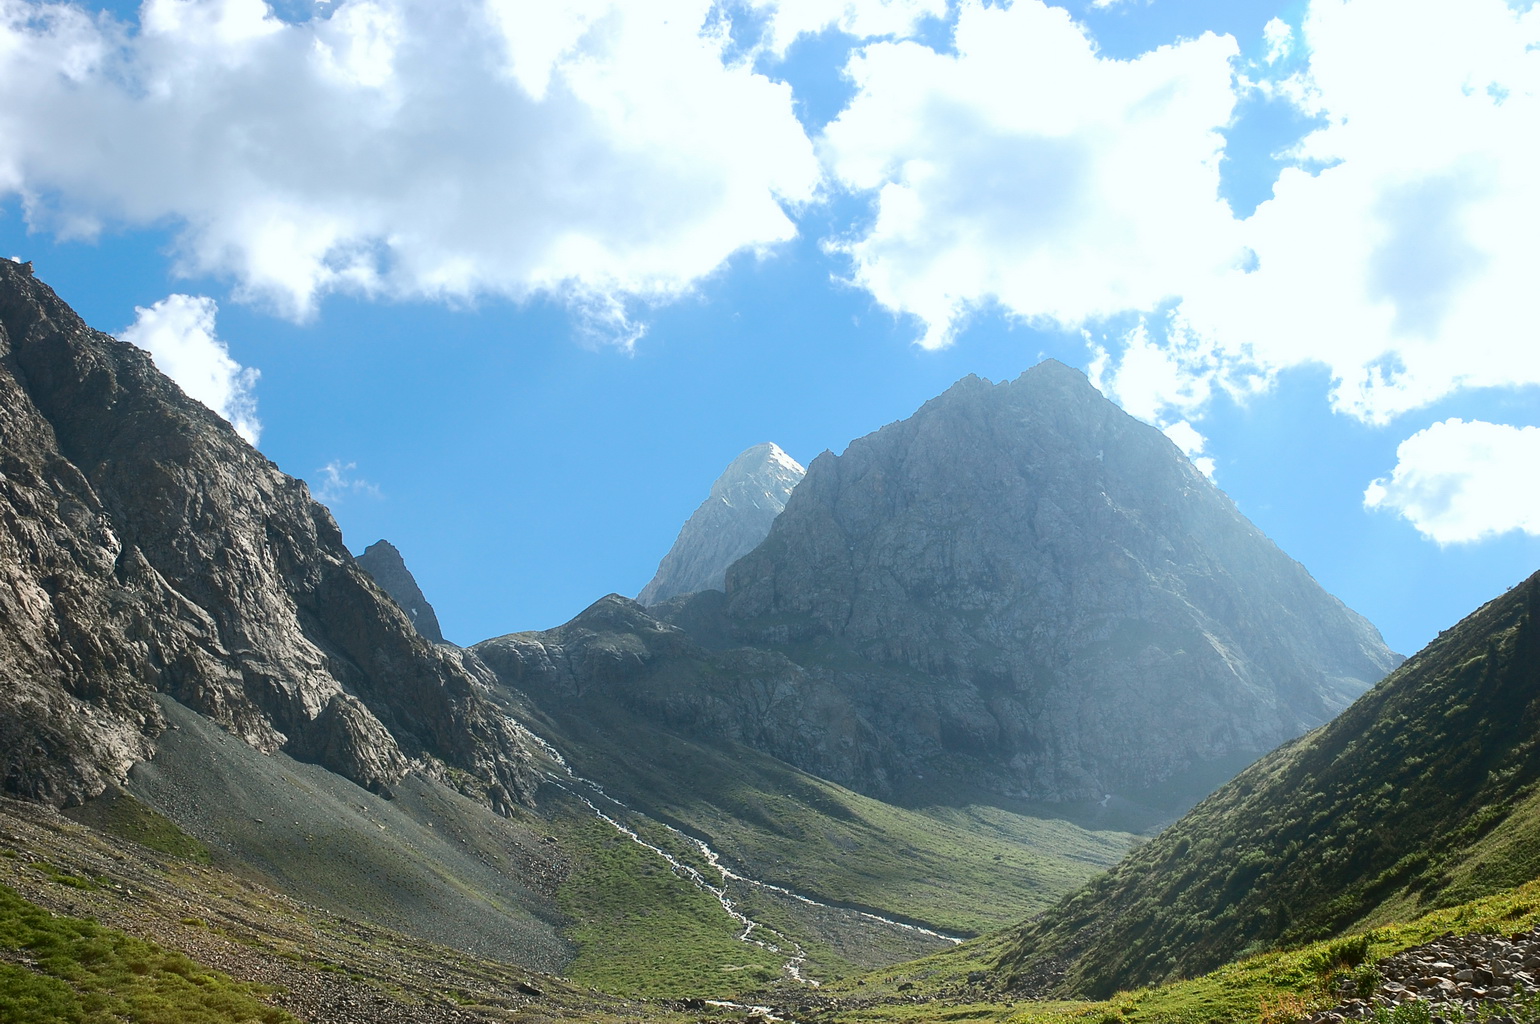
{"x": 178, "y": 332}
{"x": 1279, "y": 38}
{"x": 1462, "y": 481}
{"x": 1026, "y": 173}
{"x": 1398, "y": 250}
{"x": 1026, "y": 170}
{"x": 338, "y": 482}
{"x": 599, "y": 152}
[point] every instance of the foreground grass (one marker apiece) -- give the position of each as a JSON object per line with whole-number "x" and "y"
{"x": 70, "y": 971}
{"x": 1271, "y": 988}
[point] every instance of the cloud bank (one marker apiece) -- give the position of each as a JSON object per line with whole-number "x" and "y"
{"x": 178, "y": 332}
{"x": 598, "y": 152}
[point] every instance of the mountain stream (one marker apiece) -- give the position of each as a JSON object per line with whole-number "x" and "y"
{"x": 578, "y": 787}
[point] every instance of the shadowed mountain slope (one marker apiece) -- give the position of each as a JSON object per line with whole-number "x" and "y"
{"x": 1425, "y": 793}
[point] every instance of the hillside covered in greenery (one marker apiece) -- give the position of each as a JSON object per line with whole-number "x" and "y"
{"x": 1423, "y": 794}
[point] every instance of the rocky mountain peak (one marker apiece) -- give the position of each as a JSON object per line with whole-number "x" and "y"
{"x": 384, "y": 563}
{"x": 735, "y": 517}
{"x": 1022, "y": 582}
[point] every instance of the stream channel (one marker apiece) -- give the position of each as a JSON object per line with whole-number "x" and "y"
{"x": 593, "y": 796}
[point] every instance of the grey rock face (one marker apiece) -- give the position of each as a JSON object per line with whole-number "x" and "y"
{"x": 1024, "y": 588}
{"x": 144, "y": 546}
{"x": 729, "y": 524}
{"x": 384, "y": 564}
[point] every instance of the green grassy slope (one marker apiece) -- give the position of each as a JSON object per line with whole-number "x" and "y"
{"x": 1423, "y": 793}
{"x": 1269, "y": 988}
{"x": 962, "y": 871}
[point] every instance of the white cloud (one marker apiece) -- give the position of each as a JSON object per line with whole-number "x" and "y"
{"x": 1028, "y": 174}
{"x": 599, "y": 152}
{"x": 338, "y": 482}
{"x": 1279, "y": 38}
{"x": 1400, "y": 253}
{"x": 1459, "y": 482}
{"x": 1186, "y": 437}
{"x": 1028, "y": 171}
{"x": 178, "y": 332}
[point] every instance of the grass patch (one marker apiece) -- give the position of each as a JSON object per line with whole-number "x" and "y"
{"x": 119, "y": 814}
{"x": 642, "y": 930}
{"x": 79, "y": 972}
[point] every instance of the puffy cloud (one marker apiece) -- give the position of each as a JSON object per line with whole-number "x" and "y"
{"x": 600, "y": 152}
{"x": 1027, "y": 171}
{"x": 1398, "y": 251}
{"x": 1459, "y": 482}
{"x": 1186, "y": 437}
{"x": 338, "y": 482}
{"x": 1279, "y": 38}
{"x": 178, "y": 332}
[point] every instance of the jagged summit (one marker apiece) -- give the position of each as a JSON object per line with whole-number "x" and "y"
{"x": 734, "y": 518}
{"x": 1022, "y": 583}
{"x": 382, "y": 561}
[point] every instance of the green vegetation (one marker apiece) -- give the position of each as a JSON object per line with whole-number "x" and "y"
{"x": 965, "y": 871}
{"x": 78, "y": 972}
{"x": 119, "y": 814}
{"x": 642, "y": 930}
{"x": 1423, "y": 794}
{"x": 1271, "y": 988}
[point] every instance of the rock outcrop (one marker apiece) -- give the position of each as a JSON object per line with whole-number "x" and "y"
{"x": 144, "y": 546}
{"x": 1024, "y": 588}
{"x": 385, "y": 565}
{"x": 729, "y": 524}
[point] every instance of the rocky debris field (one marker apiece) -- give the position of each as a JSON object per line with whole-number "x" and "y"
{"x": 1467, "y": 977}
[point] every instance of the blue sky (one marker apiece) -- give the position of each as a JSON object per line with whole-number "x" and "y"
{"x": 510, "y": 283}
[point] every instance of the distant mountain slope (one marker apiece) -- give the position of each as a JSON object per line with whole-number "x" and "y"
{"x": 1425, "y": 793}
{"x": 1024, "y": 589}
{"x": 385, "y": 565}
{"x": 668, "y": 725}
{"x": 144, "y": 547}
{"x": 735, "y": 517}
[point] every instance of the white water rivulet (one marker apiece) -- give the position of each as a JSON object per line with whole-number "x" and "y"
{"x": 575, "y": 785}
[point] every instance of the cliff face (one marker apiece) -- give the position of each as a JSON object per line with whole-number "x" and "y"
{"x": 732, "y": 520}
{"x": 1022, "y": 586}
{"x": 385, "y": 566}
{"x": 144, "y": 546}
